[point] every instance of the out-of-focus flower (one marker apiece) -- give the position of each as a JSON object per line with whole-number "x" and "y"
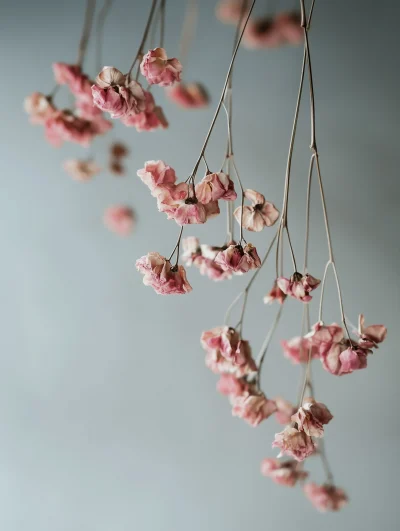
{"x": 203, "y": 257}
{"x": 161, "y": 276}
{"x": 298, "y": 286}
{"x": 284, "y": 410}
{"x": 261, "y": 214}
{"x": 276, "y": 294}
{"x": 289, "y": 26}
{"x": 215, "y": 186}
{"x": 119, "y": 150}
{"x": 64, "y": 126}
{"x": 189, "y": 95}
{"x": 78, "y": 82}
{"x": 297, "y": 349}
{"x": 311, "y": 417}
{"x": 150, "y": 119}
{"x": 325, "y": 497}
{"x": 159, "y": 70}
{"x": 117, "y": 94}
{"x": 294, "y": 443}
{"x": 119, "y": 219}
{"x": 81, "y": 170}
{"x": 156, "y": 173}
{"x": 231, "y": 386}
{"x": 252, "y": 406}
{"x": 286, "y": 473}
{"x": 39, "y": 108}
{"x": 262, "y": 33}
{"x": 237, "y": 259}
{"x": 229, "y": 11}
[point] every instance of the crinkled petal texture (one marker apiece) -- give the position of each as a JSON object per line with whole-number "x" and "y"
{"x": 229, "y": 344}
{"x": 297, "y": 349}
{"x": 311, "y": 417}
{"x": 276, "y": 294}
{"x": 164, "y": 279}
{"x": 294, "y": 443}
{"x": 261, "y": 214}
{"x": 215, "y": 186}
{"x": 231, "y": 386}
{"x": 371, "y": 335}
{"x": 326, "y": 497}
{"x": 156, "y": 173}
{"x": 159, "y": 70}
{"x": 238, "y": 260}
{"x": 286, "y": 473}
{"x": 253, "y": 407}
{"x": 81, "y": 170}
{"x": 150, "y": 119}
{"x": 203, "y": 257}
{"x": 189, "y": 95}
{"x": 119, "y": 219}
{"x": 298, "y": 286}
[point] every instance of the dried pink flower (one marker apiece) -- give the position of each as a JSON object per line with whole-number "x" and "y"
{"x": 370, "y": 335}
{"x": 252, "y": 406}
{"x": 215, "y": 186}
{"x": 231, "y": 386}
{"x": 294, "y": 443}
{"x": 81, "y": 170}
{"x": 286, "y": 473}
{"x": 311, "y": 417}
{"x": 218, "y": 364}
{"x": 189, "y": 95}
{"x": 237, "y": 259}
{"x": 289, "y": 26}
{"x": 276, "y": 294}
{"x": 228, "y": 342}
{"x": 156, "y": 173}
{"x": 229, "y": 11}
{"x": 203, "y": 257}
{"x": 284, "y": 410}
{"x": 150, "y": 119}
{"x": 39, "y": 108}
{"x": 115, "y": 93}
{"x": 161, "y": 276}
{"x": 64, "y": 126}
{"x": 159, "y": 70}
{"x": 119, "y": 219}
{"x": 262, "y": 33}
{"x": 261, "y": 214}
{"x": 298, "y": 286}
{"x": 326, "y": 497}
{"x": 78, "y": 82}
{"x": 297, "y": 349}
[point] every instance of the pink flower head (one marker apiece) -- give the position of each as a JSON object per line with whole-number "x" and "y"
{"x": 261, "y": 214}
{"x": 215, "y": 186}
{"x": 218, "y": 364}
{"x": 156, "y": 173}
{"x": 119, "y": 219}
{"x": 78, "y": 83}
{"x": 237, "y": 259}
{"x": 325, "y": 497}
{"x": 39, "y": 108}
{"x": 115, "y": 93}
{"x": 231, "y": 386}
{"x": 203, "y": 257}
{"x": 286, "y": 473}
{"x": 253, "y": 407}
{"x": 229, "y": 11}
{"x": 370, "y": 335}
{"x": 161, "y": 276}
{"x": 81, "y": 170}
{"x": 294, "y": 443}
{"x": 189, "y": 95}
{"x": 284, "y": 410}
{"x": 276, "y": 294}
{"x": 352, "y": 359}
{"x": 64, "y": 126}
{"x": 229, "y": 343}
{"x": 150, "y": 119}
{"x": 191, "y": 250}
{"x": 190, "y": 212}
{"x": 262, "y": 33}
{"x": 289, "y": 26}
{"x": 311, "y": 417}
{"x": 159, "y": 70}
{"x": 298, "y": 286}
{"x": 297, "y": 349}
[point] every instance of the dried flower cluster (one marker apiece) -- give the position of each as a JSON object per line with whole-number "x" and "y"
{"x": 192, "y": 201}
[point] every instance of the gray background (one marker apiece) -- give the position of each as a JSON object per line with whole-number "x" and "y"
{"x": 108, "y": 417}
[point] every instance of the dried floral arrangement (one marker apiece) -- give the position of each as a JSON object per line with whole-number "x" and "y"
{"x": 123, "y": 97}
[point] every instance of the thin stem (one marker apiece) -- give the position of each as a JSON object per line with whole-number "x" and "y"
{"x": 325, "y": 462}
{"x": 291, "y": 248}
{"x": 323, "y": 290}
{"x": 325, "y": 213}
{"x": 307, "y": 237}
{"x": 266, "y": 343}
{"x": 87, "y": 26}
{"x": 162, "y": 23}
{"x": 242, "y": 198}
{"x": 221, "y": 99}
{"x": 145, "y": 34}
{"x": 101, "y": 19}
{"x": 176, "y": 246}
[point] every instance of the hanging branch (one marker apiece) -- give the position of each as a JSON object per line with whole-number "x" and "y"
{"x": 87, "y": 27}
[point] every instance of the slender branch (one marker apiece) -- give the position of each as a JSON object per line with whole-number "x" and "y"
{"x": 162, "y": 23}
{"x": 87, "y": 26}
{"x": 307, "y": 236}
{"x": 176, "y": 246}
{"x": 145, "y": 34}
{"x": 266, "y": 343}
{"x": 101, "y": 19}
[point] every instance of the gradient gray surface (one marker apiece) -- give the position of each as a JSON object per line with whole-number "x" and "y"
{"x": 109, "y": 419}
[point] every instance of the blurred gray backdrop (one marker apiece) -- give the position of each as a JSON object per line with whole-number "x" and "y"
{"x": 109, "y": 419}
